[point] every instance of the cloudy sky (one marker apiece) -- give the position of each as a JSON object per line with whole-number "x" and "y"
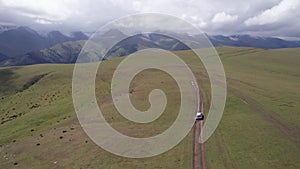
{"x": 257, "y": 17}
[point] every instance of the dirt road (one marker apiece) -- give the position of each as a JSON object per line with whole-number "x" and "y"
{"x": 196, "y": 160}
{"x": 198, "y": 148}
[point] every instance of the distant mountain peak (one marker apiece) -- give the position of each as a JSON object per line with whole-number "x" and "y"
{"x": 113, "y": 32}
{"x": 55, "y": 33}
{"x": 252, "y": 41}
{"x": 22, "y": 42}
{"x": 79, "y": 35}
{"x": 26, "y": 29}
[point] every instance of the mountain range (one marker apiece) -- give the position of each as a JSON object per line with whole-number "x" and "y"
{"x": 25, "y": 46}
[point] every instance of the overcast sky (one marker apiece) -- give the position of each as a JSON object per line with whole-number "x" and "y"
{"x": 257, "y": 17}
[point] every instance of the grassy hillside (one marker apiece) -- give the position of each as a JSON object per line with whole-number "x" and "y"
{"x": 259, "y": 128}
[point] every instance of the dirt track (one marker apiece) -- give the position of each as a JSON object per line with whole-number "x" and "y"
{"x": 198, "y": 148}
{"x": 196, "y": 156}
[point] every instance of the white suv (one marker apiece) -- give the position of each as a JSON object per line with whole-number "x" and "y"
{"x": 199, "y": 116}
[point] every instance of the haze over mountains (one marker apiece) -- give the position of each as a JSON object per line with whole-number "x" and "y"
{"x": 24, "y": 46}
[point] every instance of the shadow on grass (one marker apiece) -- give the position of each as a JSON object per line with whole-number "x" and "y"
{"x": 7, "y": 85}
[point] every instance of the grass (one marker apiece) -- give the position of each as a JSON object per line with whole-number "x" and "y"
{"x": 256, "y": 129}
{"x": 259, "y": 128}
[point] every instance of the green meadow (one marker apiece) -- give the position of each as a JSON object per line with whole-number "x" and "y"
{"x": 259, "y": 128}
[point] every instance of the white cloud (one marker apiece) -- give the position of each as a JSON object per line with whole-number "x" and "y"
{"x": 50, "y": 10}
{"x": 43, "y": 21}
{"x": 222, "y": 17}
{"x": 136, "y": 5}
{"x": 195, "y": 20}
{"x": 213, "y": 17}
{"x": 279, "y": 12}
